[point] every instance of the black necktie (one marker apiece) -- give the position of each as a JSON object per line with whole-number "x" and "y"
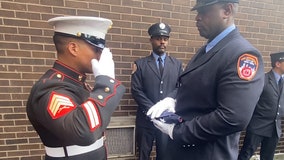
{"x": 280, "y": 83}
{"x": 161, "y": 67}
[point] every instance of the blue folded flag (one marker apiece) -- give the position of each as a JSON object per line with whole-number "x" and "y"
{"x": 169, "y": 117}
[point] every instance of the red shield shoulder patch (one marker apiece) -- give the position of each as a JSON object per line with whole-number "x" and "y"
{"x": 59, "y": 105}
{"x": 247, "y": 66}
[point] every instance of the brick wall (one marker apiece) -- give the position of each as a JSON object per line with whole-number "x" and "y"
{"x": 26, "y": 49}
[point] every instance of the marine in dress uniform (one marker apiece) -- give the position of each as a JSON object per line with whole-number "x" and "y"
{"x": 149, "y": 85}
{"x": 70, "y": 116}
{"x": 265, "y": 125}
{"x": 218, "y": 89}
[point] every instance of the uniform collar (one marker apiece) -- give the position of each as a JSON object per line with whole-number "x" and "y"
{"x": 276, "y": 75}
{"x": 220, "y": 37}
{"x": 70, "y": 72}
{"x": 156, "y": 56}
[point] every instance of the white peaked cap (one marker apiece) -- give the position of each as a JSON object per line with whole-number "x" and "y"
{"x": 92, "y": 26}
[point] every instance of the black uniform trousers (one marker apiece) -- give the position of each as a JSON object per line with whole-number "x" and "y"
{"x": 145, "y": 136}
{"x": 252, "y": 142}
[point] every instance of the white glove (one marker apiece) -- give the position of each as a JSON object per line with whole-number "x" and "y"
{"x": 156, "y": 110}
{"x": 105, "y": 66}
{"x": 164, "y": 127}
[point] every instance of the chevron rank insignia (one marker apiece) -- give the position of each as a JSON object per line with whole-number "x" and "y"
{"x": 59, "y": 105}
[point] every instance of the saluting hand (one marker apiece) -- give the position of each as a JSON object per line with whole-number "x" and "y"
{"x": 105, "y": 66}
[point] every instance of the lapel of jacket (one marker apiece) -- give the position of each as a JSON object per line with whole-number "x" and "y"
{"x": 193, "y": 64}
{"x": 152, "y": 64}
{"x": 273, "y": 82}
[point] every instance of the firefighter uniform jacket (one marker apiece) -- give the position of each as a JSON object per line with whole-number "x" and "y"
{"x": 216, "y": 98}
{"x": 68, "y": 117}
{"x": 266, "y": 118}
{"x": 148, "y": 87}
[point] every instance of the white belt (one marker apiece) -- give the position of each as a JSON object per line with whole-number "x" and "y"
{"x": 74, "y": 149}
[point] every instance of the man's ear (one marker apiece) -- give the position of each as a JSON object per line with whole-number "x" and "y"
{"x": 73, "y": 48}
{"x": 277, "y": 64}
{"x": 228, "y": 9}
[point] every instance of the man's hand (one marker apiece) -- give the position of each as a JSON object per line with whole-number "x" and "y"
{"x": 164, "y": 127}
{"x": 105, "y": 66}
{"x": 156, "y": 110}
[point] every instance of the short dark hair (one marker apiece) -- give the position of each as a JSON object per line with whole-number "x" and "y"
{"x": 59, "y": 42}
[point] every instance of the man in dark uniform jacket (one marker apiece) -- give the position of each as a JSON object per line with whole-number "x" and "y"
{"x": 69, "y": 115}
{"x": 265, "y": 125}
{"x": 218, "y": 89}
{"x": 149, "y": 85}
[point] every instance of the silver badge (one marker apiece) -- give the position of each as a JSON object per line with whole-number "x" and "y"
{"x": 162, "y": 26}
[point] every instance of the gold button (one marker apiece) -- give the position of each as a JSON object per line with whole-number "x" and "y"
{"x": 100, "y": 97}
{"x": 80, "y": 77}
{"x": 58, "y": 75}
{"x": 107, "y": 89}
{"x": 111, "y": 81}
{"x": 79, "y": 34}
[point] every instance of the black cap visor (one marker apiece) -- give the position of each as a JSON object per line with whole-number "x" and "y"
{"x": 92, "y": 40}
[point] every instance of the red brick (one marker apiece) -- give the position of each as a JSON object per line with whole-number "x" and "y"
{"x": 18, "y": 153}
{"x": 7, "y": 135}
{"x": 31, "y": 46}
{"x": 20, "y": 38}
{"x": 64, "y": 11}
{"x": 32, "y": 75}
{"x": 20, "y": 96}
{"x": 7, "y": 13}
{"x": 18, "y": 53}
{"x": 14, "y": 6}
{"x": 52, "y": 2}
{"x": 5, "y": 96}
{"x": 20, "y": 68}
{"x": 73, "y": 4}
{"x": 40, "y": 24}
{"x": 30, "y": 31}
{"x": 38, "y": 8}
{"x": 3, "y": 154}
{"x": 40, "y": 39}
{"x": 9, "y": 103}
{"x": 8, "y": 147}
{"x": 154, "y": 6}
{"x": 15, "y": 22}
{"x": 15, "y": 129}
{"x": 27, "y": 15}
{"x": 88, "y": 13}
{"x": 24, "y": 122}
{"x": 141, "y": 11}
{"x": 10, "y": 76}
{"x": 7, "y": 45}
